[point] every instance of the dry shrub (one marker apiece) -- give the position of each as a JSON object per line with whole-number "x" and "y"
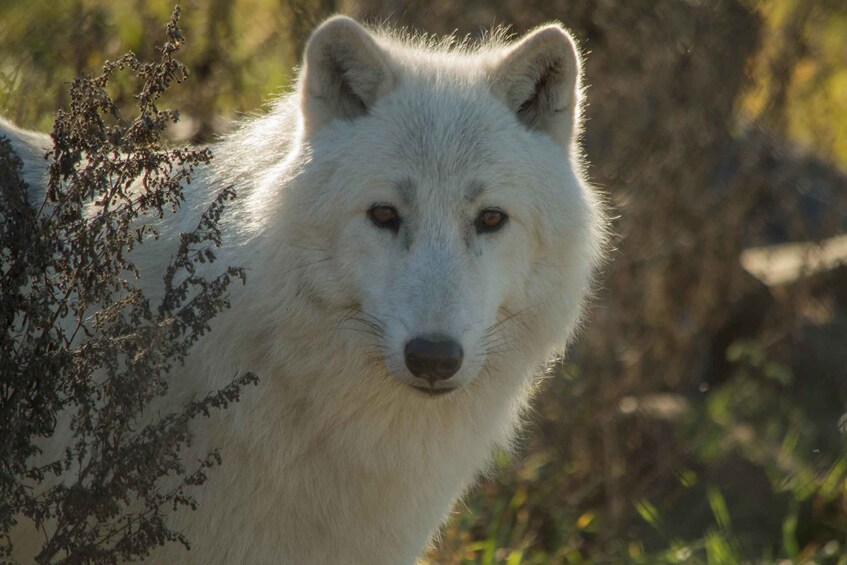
{"x": 82, "y": 345}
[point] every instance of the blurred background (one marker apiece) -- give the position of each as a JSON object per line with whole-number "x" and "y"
{"x": 700, "y": 418}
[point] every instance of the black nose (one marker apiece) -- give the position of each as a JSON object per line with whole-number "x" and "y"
{"x": 433, "y": 360}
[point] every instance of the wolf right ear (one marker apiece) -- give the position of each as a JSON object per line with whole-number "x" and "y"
{"x": 345, "y": 72}
{"x": 538, "y": 80}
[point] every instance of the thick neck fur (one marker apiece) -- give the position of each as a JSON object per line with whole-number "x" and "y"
{"x": 345, "y": 464}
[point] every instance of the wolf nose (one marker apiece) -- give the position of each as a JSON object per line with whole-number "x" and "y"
{"x": 433, "y": 360}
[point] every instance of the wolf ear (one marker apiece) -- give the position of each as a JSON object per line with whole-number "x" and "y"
{"x": 344, "y": 73}
{"x": 538, "y": 80}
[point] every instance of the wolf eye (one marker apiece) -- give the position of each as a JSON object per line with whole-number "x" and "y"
{"x": 490, "y": 220}
{"x": 385, "y": 217}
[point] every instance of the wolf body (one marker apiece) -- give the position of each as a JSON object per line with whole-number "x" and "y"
{"x": 365, "y": 218}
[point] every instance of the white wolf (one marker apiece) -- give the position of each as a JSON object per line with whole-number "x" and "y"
{"x": 430, "y": 197}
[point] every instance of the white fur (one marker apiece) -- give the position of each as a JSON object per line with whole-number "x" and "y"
{"x": 334, "y": 458}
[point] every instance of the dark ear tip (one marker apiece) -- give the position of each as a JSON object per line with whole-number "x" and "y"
{"x": 336, "y": 26}
{"x": 554, "y": 29}
{"x": 553, "y": 36}
{"x": 337, "y": 32}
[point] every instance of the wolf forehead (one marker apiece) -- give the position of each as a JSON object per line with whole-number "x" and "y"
{"x": 440, "y": 135}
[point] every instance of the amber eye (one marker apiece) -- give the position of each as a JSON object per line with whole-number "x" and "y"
{"x": 385, "y": 217}
{"x": 490, "y": 220}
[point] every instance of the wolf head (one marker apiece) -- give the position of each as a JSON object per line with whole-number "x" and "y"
{"x": 446, "y": 183}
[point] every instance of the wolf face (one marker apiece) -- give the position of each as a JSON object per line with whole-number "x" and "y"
{"x": 448, "y": 185}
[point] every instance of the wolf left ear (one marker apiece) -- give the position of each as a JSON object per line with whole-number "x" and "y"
{"x": 345, "y": 72}
{"x": 538, "y": 79}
